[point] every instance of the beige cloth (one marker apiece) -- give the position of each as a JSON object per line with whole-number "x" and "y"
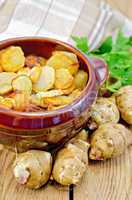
{"x": 60, "y": 19}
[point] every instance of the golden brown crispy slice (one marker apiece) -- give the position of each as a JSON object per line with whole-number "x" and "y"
{"x": 46, "y": 80}
{"x": 81, "y": 79}
{"x": 69, "y": 90}
{"x": 6, "y": 102}
{"x": 21, "y": 100}
{"x": 38, "y": 101}
{"x": 6, "y": 82}
{"x": 64, "y": 59}
{"x": 22, "y": 83}
{"x": 58, "y": 101}
{"x": 35, "y": 73}
{"x": 12, "y": 59}
{"x": 24, "y": 71}
{"x": 42, "y": 61}
{"x": 63, "y": 78}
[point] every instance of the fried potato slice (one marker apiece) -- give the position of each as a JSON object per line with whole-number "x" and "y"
{"x": 22, "y": 83}
{"x": 61, "y": 100}
{"x": 12, "y": 59}
{"x": 35, "y": 73}
{"x": 64, "y": 59}
{"x": 5, "y": 81}
{"x": 34, "y": 108}
{"x": 63, "y": 78}
{"x": 51, "y": 93}
{"x": 6, "y": 102}
{"x": 81, "y": 79}
{"x": 24, "y": 71}
{"x": 58, "y": 101}
{"x": 69, "y": 89}
{"x": 46, "y": 79}
{"x": 42, "y": 61}
{"x": 39, "y": 98}
{"x": 1, "y": 70}
{"x": 38, "y": 101}
{"x": 21, "y": 101}
{"x": 73, "y": 68}
{"x": 51, "y": 107}
{"x": 75, "y": 94}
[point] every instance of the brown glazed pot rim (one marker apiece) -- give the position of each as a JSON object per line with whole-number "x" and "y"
{"x": 91, "y": 85}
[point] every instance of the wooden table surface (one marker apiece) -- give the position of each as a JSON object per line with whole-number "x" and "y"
{"x": 110, "y": 180}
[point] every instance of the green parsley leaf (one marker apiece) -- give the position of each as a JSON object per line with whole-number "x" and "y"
{"x": 117, "y": 54}
{"x": 106, "y": 46}
{"x": 81, "y": 43}
{"x": 121, "y": 42}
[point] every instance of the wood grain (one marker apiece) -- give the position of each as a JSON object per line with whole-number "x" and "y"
{"x": 10, "y": 190}
{"x": 109, "y": 180}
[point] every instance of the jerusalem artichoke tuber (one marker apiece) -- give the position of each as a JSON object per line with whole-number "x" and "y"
{"x": 124, "y": 103}
{"x": 109, "y": 140}
{"x": 71, "y": 162}
{"x": 104, "y": 111}
{"x": 33, "y": 168}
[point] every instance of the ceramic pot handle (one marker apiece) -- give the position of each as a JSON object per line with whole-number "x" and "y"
{"x": 101, "y": 70}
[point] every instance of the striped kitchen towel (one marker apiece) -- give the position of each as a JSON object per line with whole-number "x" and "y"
{"x": 60, "y": 19}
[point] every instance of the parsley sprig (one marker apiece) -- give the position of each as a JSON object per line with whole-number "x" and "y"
{"x": 117, "y": 54}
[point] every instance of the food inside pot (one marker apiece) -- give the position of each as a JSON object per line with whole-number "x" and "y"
{"x": 33, "y": 83}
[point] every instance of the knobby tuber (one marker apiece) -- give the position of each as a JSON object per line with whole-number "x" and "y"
{"x": 109, "y": 140}
{"x": 33, "y": 168}
{"x": 124, "y": 103}
{"x": 105, "y": 110}
{"x": 71, "y": 161}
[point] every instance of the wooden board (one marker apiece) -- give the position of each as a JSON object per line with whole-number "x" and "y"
{"x": 10, "y": 190}
{"x": 110, "y": 180}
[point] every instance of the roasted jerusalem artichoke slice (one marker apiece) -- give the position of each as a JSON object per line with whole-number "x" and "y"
{"x": 104, "y": 111}
{"x": 64, "y": 59}
{"x": 6, "y": 79}
{"x": 109, "y": 140}
{"x": 41, "y": 98}
{"x": 63, "y": 79}
{"x": 81, "y": 79}
{"x": 35, "y": 73}
{"x": 12, "y": 59}
{"x": 7, "y": 102}
{"x": 22, "y": 83}
{"x": 46, "y": 80}
{"x": 71, "y": 161}
{"x": 33, "y": 168}
{"x": 24, "y": 71}
{"x": 20, "y": 100}
{"x": 124, "y": 103}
